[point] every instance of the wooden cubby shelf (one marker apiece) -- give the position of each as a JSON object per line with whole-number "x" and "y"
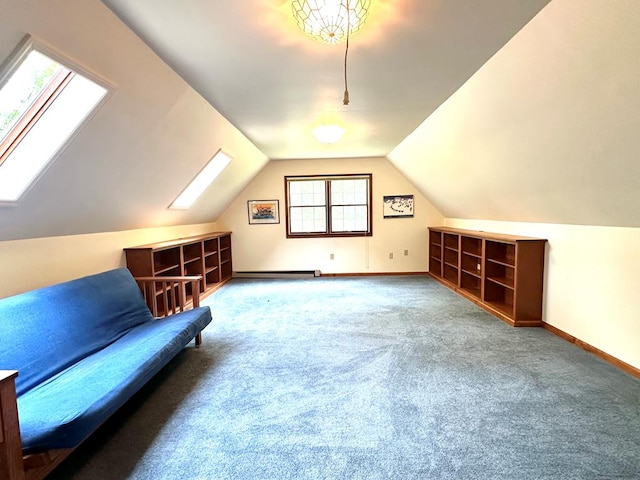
{"x": 504, "y": 274}
{"x": 435, "y": 254}
{"x": 207, "y": 255}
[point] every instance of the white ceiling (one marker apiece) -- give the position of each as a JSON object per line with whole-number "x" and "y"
{"x": 249, "y": 60}
{"x": 538, "y": 126}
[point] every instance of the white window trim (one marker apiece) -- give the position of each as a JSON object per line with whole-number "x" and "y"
{"x": 202, "y": 181}
{"x": 15, "y": 59}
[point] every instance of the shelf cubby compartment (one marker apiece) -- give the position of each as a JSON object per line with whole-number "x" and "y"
{"x": 450, "y": 273}
{"x": 499, "y": 297}
{"x": 166, "y": 260}
{"x": 193, "y": 267}
{"x": 211, "y": 262}
{"x": 212, "y": 268}
{"x": 451, "y": 257}
{"x": 212, "y": 277}
{"x": 211, "y": 247}
{"x": 192, "y": 255}
{"x": 450, "y": 269}
{"x": 451, "y": 241}
{"x": 192, "y": 252}
{"x": 500, "y": 273}
{"x": 471, "y": 283}
{"x": 471, "y": 264}
{"x": 435, "y": 253}
{"x": 226, "y": 269}
{"x": 435, "y": 266}
{"x": 435, "y": 239}
{"x": 471, "y": 246}
{"x": 501, "y": 252}
{"x": 225, "y": 242}
{"x": 168, "y": 271}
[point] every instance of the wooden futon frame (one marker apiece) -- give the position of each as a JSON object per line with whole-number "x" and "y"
{"x": 167, "y": 292}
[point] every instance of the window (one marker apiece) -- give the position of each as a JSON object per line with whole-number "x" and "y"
{"x": 328, "y": 206}
{"x": 200, "y": 183}
{"x": 43, "y": 103}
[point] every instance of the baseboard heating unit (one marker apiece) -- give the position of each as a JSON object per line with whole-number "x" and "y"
{"x": 279, "y": 274}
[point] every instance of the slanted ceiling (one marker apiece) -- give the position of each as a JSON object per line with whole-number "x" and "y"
{"x": 250, "y": 60}
{"x": 547, "y": 130}
{"x": 143, "y": 146}
{"x": 544, "y": 131}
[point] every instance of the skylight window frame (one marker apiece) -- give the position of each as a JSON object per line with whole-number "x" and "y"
{"x": 194, "y": 189}
{"x": 32, "y": 114}
{"x": 17, "y": 134}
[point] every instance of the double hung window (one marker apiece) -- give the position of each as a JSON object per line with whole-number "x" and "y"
{"x": 328, "y": 206}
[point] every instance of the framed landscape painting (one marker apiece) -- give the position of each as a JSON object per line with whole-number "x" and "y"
{"x": 263, "y": 211}
{"x": 397, "y": 206}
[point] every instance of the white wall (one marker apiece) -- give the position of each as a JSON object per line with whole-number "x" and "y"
{"x": 592, "y": 281}
{"x": 265, "y": 247}
{"x": 38, "y": 262}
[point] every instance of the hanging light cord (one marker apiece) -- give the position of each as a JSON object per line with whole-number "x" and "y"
{"x": 345, "y": 100}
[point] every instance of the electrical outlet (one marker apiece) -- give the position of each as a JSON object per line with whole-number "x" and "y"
{"x": 406, "y": 253}
{"x": 331, "y": 257}
{"x": 390, "y": 255}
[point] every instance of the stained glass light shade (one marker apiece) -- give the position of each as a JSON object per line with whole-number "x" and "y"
{"x": 327, "y": 21}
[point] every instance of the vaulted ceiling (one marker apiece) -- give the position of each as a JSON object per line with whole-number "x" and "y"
{"x": 518, "y": 110}
{"x": 251, "y": 62}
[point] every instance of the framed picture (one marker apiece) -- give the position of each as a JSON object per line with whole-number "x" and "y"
{"x": 263, "y": 211}
{"x": 397, "y": 206}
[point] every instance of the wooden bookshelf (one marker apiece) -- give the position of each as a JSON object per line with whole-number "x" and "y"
{"x": 206, "y": 255}
{"x": 451, "y": 256}
{"x": 504, "y": 274}
{"x": 435, "y": 252}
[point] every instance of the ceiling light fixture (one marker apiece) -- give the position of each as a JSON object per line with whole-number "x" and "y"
{"x": 327, "y": 21}
{"x": 328, "y": 133}
{"x": 332, "y": 21}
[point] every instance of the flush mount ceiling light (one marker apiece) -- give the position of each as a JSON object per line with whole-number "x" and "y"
{"x": 330, "y": 21}
{"x": 328, "y": 133}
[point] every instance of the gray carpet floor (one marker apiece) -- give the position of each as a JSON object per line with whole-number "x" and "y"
{"x": 369, "y": 378}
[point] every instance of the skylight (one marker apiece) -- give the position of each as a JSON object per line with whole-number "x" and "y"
{"x": 199, "y": 184}
{"x": 43, "y": 104}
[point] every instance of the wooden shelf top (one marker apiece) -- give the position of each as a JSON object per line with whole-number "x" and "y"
{"x": 180, "y": 241}
{"x": 487, "y": 235}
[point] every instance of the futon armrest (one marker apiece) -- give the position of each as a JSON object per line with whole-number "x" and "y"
{"x": 170, "y": 293}
{"x": 11, "y": 467}
{"x": 6, "y": 375}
